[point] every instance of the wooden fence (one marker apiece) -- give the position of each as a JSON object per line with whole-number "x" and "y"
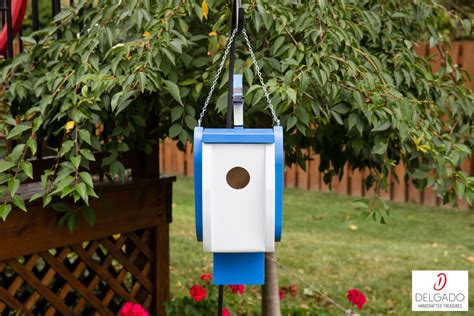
{"x": 124, "y": 257}
{"x": 174, "y": 161}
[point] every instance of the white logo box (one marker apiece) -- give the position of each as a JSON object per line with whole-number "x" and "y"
{"x": 440, "y": 290}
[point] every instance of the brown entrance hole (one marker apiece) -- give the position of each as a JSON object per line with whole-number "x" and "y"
{"x": 238, "y": 178}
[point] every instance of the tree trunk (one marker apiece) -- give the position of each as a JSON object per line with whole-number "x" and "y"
{"x": 270, "y": 291}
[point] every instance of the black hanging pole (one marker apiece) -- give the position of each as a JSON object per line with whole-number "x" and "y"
{"x": 56, "y": 7}
{"x": 220, "y": 301}
{"x": 35, "y": 15}
{"x": 237, "y": 22}
{"x": 8, "y": 5}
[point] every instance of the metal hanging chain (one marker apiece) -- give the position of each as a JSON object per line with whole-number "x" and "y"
{"x": 221, "y": 67}
{"x": 219, "y": 70}
{"x": 262, "y": 83}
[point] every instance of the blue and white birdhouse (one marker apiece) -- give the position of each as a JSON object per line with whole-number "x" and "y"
{"x": 238, "y": 195}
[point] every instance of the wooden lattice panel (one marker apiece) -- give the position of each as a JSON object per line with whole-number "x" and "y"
{"x": 91, "y": 277}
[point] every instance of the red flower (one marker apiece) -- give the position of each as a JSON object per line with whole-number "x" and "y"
{"x": 225, "y": 312}
{"x": 281, "y": 294}
{"x": 237, "y": 289}
{"x": 197, "y": 292}
{"x": 356, "y": 297}
{"x": 206, "y": 277}
{"x": 132, "y": 309}
{"x": 293, "y": 290}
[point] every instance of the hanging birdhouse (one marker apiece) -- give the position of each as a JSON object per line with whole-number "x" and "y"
{"x": 238, "y": 176}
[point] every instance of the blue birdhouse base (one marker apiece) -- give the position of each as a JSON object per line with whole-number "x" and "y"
{"x": 239, "y": 268}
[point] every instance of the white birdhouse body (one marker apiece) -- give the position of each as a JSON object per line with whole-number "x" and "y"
{"x": 238, "y": 219}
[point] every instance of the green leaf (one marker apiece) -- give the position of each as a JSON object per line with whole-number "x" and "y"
{"x": 140, "y": 120}
{"x": 66, "y": 147}
{"x": 175, "y": 130}
{"x": 76, "y": 161}
{"x": 46, "y": 200}
{"x": 62, "y": 14}
{"x": 17, "y": 153}
{"x": 13, "y": 186}
{"x": 176, "y": 113}
{"x": 86, "y": 153}
{"x": 361, "y": 204}
{"x": 169, "y": 55}
{"x": 6, "y": 165}
{"x": 63, "y": 185}
{"x": 108, "y": 160}
{"x": 18, "y": 201}
{"x": 467, "y": 26}
{"x": 353, "y": 117}
{"x": 173, "y": 89}
{"x": 36, "y": 196}
{"x": 381, "y": 126}
{"x": 190, "y": 121}
{"x": 27, "y": 168}
{"x": 89, "y": 215}
{"x": 122, "y": 147}
{"x": 72, "y": 222}
{"x": 221, "y": 103}
{"x": 337, "y": 118}
{"x": 291, "y": 122}
{"x": 380, "y": 148}
{"x": 82, "y": 190}
{"x": 60, "y": 207}
{"x": 86, "y": 177}
{"x": 358, "y": 98}
{"x": 460, "y": 188}
{"x": 115, "y": 100}
{"x": 5, "y": 209}
{"x": 291, "y": 93}
{"x": 277, "y": 44}
{"x": 142, "y": 78}
{"x": 17, "y": 131}
{"x": 31, "y": 143}
{"x": 85, "y": 136}
{"x": 118, "y": 169}
{"x": 341, "y": 108}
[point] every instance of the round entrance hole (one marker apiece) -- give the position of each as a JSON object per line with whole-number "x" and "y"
{"x": 238, "y": 178}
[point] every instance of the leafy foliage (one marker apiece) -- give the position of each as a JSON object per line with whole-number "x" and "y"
{"x": 343, "y": 75}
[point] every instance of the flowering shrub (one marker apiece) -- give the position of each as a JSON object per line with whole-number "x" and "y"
{"x": 294, "y": 290}
{"x": 197, "y": 292}
{"x": 281, "y": 294}
{"x": 344, "y": 84}
{"x": 225, "y": 312}
{"x": 206, "y": 278}
{"x": 132, "y": 309}
{"x": 356, "y": 297}
{"x": 237, "y": 289}
{"x": 201, "y": 299}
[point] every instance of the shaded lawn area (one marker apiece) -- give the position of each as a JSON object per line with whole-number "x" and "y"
{"x": 319, "y": 251}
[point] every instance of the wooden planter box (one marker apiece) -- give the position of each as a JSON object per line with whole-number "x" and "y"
{"x": 46, "y": 270}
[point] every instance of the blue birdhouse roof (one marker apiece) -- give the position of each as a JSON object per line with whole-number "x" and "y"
{"x": 239, "y": 135}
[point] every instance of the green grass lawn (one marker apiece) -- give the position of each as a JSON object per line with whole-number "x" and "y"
{"x": 320, "y": 252}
